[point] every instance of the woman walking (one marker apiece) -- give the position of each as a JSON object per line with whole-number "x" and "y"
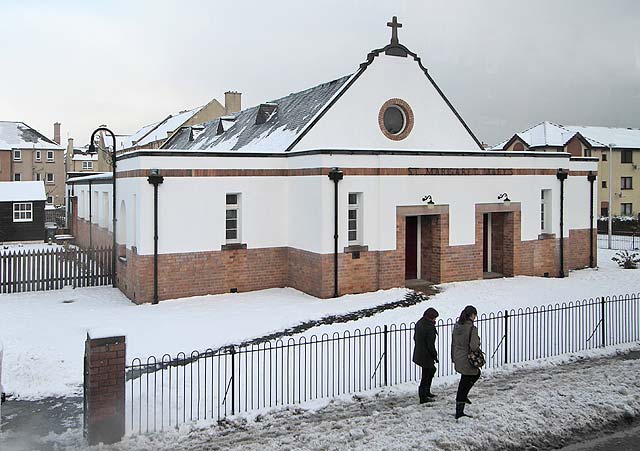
{"x": 465, "y": 339}
{"x": 425, "y": 353}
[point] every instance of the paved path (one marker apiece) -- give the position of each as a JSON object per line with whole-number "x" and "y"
{"x": 625, "y": 440}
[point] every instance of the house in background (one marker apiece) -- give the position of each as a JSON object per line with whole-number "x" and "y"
{"x": 154, "y": 135}
{"x": 588, "y": 141}
{"x": 365, "y": 182}
{"x": 28, "y": 155}
{"x": 79, "y": 162}
{"x": 22, "y": 207}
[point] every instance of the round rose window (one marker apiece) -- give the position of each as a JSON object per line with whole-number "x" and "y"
{"x": 395, "y": 119}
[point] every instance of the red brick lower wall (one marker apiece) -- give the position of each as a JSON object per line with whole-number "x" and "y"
{"x": 215, "y": 272}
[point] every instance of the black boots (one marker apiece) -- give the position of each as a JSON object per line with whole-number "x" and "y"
{"x": 460, "y": 410}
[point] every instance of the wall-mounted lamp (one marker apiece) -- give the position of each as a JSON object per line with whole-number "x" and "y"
{"x": 506, "y": 199}
{"x": 430, "y": 203}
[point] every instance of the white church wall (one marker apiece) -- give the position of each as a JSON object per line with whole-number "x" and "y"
{"x": 352, "y": 122}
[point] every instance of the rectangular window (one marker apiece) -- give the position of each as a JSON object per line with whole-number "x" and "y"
{"x": 50, "y": 199}
{"x": 38, "y": 177}
{"x": 355, "y": 218}
{"x": 626, "y": 182}
{"x": 587, "y": 152}
{"x": 232, "y": 219}
{"x": 23, "y": 212}
{"x": 604, "y": 156}
{"x": 626, "y": 156}
{"x": 38, "y": 155}
{"x": 17, "y": 155}
{"x": 87, "y": 165}
{"x": 626, "y": 209}
{"x": 604, "y": 183}
{"x": 17, "y": 177}
{"x": 545, "y": 211}
{"x": 49, "y": 177}
{"x": 49, "y": 156}
{"x": 604, "y": 212}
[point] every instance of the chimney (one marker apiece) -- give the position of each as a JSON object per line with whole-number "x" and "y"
{"x": 70, "y": 144}
{"x": 56, "y": 132}
{"x": 232, "y": 102}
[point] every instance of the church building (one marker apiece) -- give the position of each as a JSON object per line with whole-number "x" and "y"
{"x": 366, "y": 182}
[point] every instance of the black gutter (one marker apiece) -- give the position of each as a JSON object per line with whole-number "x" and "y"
{"x": 562, "y": 175}
{"x": 592, "y": 178}
{"x": 335, "y": 175}
{"x": 155, "y": 179}
{"x": 90, "y": 221}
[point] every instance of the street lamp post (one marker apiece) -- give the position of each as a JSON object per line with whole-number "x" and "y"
{"x": 610, "y": 209}
{"x": 92, "y": 149}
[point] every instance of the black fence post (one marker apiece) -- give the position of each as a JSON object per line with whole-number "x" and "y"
{"x": 386, "y": 359}
{"x": 233, "y": 380}
{"x": 602, "y": 316}
{"x": 506, "y": 336}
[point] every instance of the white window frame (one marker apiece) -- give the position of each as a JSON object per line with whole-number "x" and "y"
{"x": 25, "y": 215}
{"x": 545, "y": 210}
{"x": 38, "y": 155}
{"x": 51, "y": 157}
{"x": 17, "y": 155}
{"x": 49, "y": 196}
{"x": 622, "y": 208}
{"x": 624, "y": 185}
{"x": 354, "y": 224}
{"x": 233, "y": 207}
{"x": 52, "y": 181}
{"x": 87, "y": 165}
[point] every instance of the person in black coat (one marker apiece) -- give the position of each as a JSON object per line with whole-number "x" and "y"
{"x": 425, "y": 353}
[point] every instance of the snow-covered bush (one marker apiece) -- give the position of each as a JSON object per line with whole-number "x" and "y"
{"x": 626, "y": 259}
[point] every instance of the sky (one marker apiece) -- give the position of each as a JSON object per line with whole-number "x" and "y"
{"x": 505, "y": 65}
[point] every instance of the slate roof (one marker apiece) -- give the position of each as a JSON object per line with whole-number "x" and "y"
{"x": 18, "y": 135}
{"x": 279, "y": 130}
{"x": 548, "y": 134}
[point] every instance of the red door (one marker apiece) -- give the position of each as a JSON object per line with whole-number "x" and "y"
{"x": 411, "y": 248}
{"x": 485, "y": 242}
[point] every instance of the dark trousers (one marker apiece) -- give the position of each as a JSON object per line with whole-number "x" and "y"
{"x": 425, "y": 382}
{"x": 466, "y": 382}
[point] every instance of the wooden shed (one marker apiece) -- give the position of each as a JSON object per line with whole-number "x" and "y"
{"x": 22, "y": 211}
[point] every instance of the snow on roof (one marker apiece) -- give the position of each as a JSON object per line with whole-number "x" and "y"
{"x": 22, "y": 191}
{"x": 627, "y": 138}
{"x": 293, "y": 113}
{"x": 83, "y": 155}
{"x": 100, "y": 176}
{"x": 168, "y": 126}
{"x": 548, "y": 134}
{"x": 18, "y": 135}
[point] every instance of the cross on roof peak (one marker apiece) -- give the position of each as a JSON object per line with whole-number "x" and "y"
{"x": 394, "y": 24}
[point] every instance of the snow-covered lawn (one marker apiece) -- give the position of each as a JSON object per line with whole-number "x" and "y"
{"x": 44, "y": 332}
{"x": 531, "y": 406}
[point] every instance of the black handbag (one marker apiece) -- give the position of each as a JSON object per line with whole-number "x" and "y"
{"x": 476, "y": 358}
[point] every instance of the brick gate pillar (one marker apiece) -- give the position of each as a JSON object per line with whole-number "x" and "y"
{"x": 104, "y": 397}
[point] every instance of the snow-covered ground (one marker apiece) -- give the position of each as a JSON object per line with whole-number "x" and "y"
{"x": 44, "y": 332}
{"x": 538, "y": 405}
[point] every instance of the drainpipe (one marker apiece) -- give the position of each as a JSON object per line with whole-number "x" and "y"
{"x": 562, "y": 176}
{"x": 90, "y": 216}
{"x": 155, "y": 179}
{"x": 592, "y": 178}
{"x": 335, "y": 175}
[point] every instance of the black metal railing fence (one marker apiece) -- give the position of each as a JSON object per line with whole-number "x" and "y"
{"x": 213, "y": 384}
{"x": 620, "y": 241}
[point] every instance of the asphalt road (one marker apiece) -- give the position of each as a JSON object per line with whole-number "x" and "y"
{"x": 625, "y": 440}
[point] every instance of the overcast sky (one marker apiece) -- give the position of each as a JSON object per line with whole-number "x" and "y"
{"x": 504, "y": 64}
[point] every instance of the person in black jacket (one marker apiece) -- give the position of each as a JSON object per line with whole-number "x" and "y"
{"x": 425, "y": 354}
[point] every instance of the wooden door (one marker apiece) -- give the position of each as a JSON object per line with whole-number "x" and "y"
{"x": 411, "y": 248}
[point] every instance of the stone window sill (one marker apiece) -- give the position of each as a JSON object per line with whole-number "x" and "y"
{"x": 355, "y": 248}
{"x": 233, "y": 246}
{"x": 123, "y": 259}
{"x": 547, "y": 236}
